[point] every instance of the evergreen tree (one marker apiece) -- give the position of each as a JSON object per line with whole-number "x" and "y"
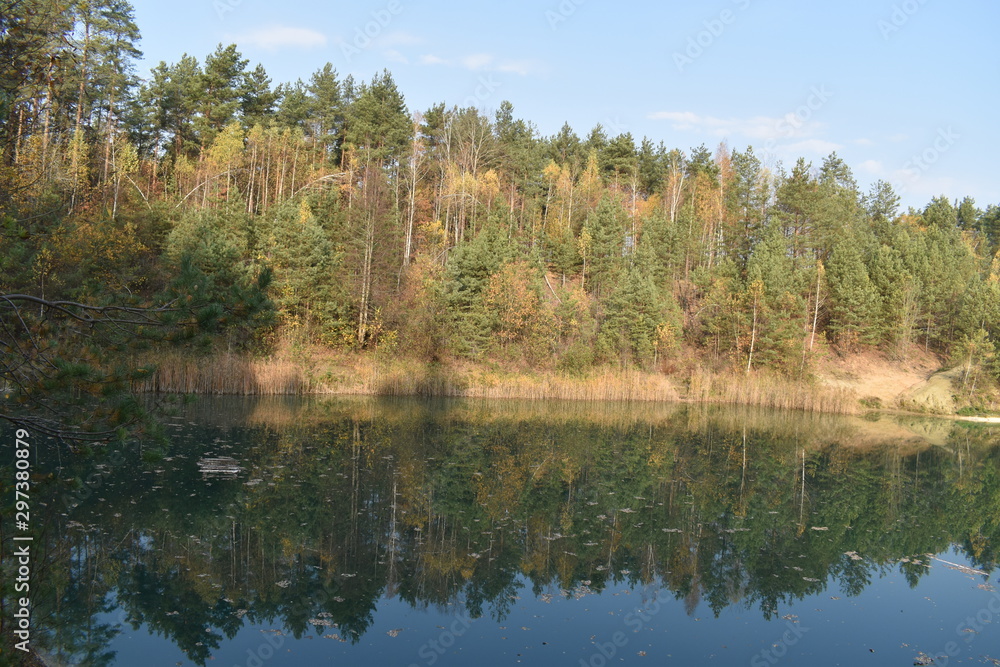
{"x": 378, "y": 124}
{"x": 221, "y": 84}
{"x": 853, "y": 297}
{"x": 606, "y": 230}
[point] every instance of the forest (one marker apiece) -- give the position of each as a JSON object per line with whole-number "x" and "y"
{"x": 204, "y": 209}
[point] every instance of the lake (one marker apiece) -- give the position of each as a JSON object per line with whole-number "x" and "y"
{"x": 430, "y": 532}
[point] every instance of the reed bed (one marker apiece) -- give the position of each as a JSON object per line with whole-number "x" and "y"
{"x": 406, "y": 380}
{"x": 279, "y": 375}
{"x": 769, "y": 390}
{"x": 226, "y": 374}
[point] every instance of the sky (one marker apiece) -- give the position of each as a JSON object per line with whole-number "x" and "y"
{"x": 902, "y": 90}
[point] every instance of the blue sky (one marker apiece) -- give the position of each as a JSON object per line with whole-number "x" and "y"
{"x": 902, "y": 90}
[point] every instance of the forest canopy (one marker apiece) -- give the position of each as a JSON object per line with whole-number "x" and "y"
{"x": 439, "y": 235}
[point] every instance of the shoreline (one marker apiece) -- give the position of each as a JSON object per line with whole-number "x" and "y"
{"x": 361, "y": 374}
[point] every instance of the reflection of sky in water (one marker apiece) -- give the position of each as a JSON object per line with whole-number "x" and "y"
{"x": 889, "y": 618}
{"x": 515, "y": 505}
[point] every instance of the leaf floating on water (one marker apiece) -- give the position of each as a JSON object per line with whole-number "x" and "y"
{"x": 923, "y": 659}
{"x": 283, "y": 584}
{"x": 394, "y": 632}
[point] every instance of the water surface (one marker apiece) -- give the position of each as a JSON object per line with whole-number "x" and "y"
{"x": 413, "y": 532}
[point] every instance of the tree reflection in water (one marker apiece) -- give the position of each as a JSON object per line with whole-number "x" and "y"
{"x": 341, "y": 503}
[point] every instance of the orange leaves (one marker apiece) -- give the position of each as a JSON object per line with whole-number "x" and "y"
{"x": 514, "y": 302}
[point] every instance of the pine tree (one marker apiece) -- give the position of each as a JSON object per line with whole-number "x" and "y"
{"x": 853, "y": 298}
{"x": 221, "y": 82}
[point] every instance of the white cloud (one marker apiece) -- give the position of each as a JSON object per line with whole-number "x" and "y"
{"x": 522, "y": 67}
{"x": 863, "y": 142}
{"x": 273, "y": 38}
{"x": 484, "y": 62}
{"x": 392, "y": 55}
{"x": 814, "y": 146}
{"x": 873, "y": 167}
{"x": 757, "y": 128}
{"x": 477, "y": 61}
{"x": 399, "y": 38}
{"x": 430, "y": 59}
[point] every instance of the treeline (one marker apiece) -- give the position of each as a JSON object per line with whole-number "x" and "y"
{"x": 453, "y": 233}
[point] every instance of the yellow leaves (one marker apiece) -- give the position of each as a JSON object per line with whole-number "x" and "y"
{"x": 552, "y": 171}
{"x": 668, "y": 338}
{"x": 585, "y": 242}
{"x": 126, "y": 157}
{"x": 511, "y": 298}
{"x": 305, "y": 213}
{"x": 590, "y": 181}
{"x": 489, "y": 186}
{"x": 227, "y": 147}
{"x": 79, "y": 157}
{"x": 105, "y": 244}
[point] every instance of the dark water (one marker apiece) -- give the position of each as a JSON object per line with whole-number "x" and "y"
{"x": 455, "y": 533}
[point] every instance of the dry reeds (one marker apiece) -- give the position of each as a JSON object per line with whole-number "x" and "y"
{"x": 407, "y": 380}
{"x": 769, "y": 390}
{"x": 234, "y": 374}
{"x": 225, "y": 374}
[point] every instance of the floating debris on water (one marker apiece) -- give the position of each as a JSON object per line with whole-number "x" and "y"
{"x": 223, "y": 466}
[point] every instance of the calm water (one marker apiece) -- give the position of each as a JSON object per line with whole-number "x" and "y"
{"x": 455, "y": 533}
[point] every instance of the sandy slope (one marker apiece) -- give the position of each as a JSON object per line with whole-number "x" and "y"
{"x": 915, "y": 382}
